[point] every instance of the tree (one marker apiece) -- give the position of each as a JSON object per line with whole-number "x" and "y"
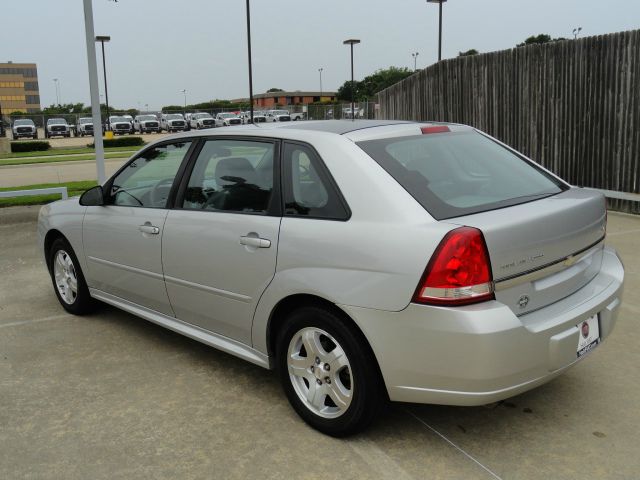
{"x": 539, "y": 39}
{"x": 64, "y": 109}
{"x": 468, "y": 53}
{"x": 344, "y": 92}
{"x": 372, "y": 84}
{"x": 275, "y": 90}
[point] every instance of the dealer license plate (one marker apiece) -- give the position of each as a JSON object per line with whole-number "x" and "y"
{"x": 589, "y": 335}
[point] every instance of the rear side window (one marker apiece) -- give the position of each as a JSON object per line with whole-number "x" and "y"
{"x": 460, "y": 173}
{"x": 309, "y": 190}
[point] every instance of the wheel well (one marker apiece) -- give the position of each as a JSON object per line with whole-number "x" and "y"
{"x": 50, "y": 237}
{"x": 291, "y": 303}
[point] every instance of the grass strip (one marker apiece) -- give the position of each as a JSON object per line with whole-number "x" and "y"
{"x": 71, "y": 158}
{"x": 74, "y": 188}
{"x": 65, "y": 151}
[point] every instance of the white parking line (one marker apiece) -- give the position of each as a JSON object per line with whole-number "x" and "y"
{"x": 469, "y": 456}
{"x": 37, "y": 320}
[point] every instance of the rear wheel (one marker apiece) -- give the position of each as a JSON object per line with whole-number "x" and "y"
{"x": 328, "y": 372}
{"x": 68, "y": 281}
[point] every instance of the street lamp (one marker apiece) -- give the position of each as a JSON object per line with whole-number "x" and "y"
{"x": 320, "y": 72}
{"x": 351, "y": 42}
{"x": 2, "y": 132}
{"x": 576, "y": 32}
{"x": 184, "y": 92}
{"x": 249, "y": 61}
{"x": 440, "y": 27}
{"x": 102, "y": 39}
{"x": 55, "y": 81}
{"x": 415, "y": 60}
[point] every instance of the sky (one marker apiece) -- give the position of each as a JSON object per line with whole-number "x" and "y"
{"x": 160, "y": 47}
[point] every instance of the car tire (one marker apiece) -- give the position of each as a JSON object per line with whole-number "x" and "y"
{"x": 65, "y": 272}
{"x": 346, "y": 390}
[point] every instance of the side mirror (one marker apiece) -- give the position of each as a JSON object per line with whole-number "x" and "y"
{"x": 94, "y": 197}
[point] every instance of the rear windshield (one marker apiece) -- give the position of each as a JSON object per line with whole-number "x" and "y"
{"x": 460, "y": 173}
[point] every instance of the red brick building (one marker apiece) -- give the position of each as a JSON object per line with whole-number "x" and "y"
{"x": 282, "y": 99}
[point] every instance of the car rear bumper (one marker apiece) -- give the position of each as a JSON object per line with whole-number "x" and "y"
{"x": 483, "y": 353}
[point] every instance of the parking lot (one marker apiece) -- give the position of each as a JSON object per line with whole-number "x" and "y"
{"x": 113, "y": 396}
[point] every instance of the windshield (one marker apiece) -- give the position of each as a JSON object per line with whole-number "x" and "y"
{"x": 85, "y": 120}
{"x": 454, "y": 174}
{"x": 23, "y": 122}
{"x": 174, "y": 116}
{"x": 119, "y": 119}
{"x": 203, "y": 115}
{"x": 281, "y": 112}
{"x": 56, "y": 120}
{"x": 227, "y": 115}
{"x": 147, "y": 117}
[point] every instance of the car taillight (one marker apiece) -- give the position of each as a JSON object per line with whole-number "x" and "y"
{"x": 459, "y": 272}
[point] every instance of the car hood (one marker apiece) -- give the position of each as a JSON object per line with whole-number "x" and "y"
{"x": 23, "y": 126}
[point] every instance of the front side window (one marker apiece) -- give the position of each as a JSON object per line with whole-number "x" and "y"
{"x": 147, "y": 181}
{"x": 232, "y": 176}
{"x": 308, "y": 188}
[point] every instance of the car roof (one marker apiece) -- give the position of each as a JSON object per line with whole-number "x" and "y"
{"x": 354, "y": 130}
{"x": 339, "y": 127}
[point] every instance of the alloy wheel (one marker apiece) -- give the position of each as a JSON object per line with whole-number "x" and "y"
{"x": 65, "y": 277}
{"x": 320, "y": 372}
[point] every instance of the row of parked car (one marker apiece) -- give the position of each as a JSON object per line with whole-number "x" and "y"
{"x": 150, "y": 123}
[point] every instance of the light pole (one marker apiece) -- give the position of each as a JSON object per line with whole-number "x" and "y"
{"x": 576, "y": 32}
{"x": 440, "y": 2}
{"x": 249, "y": 61}
{"x": 94, "y": 88}
{"x": 146, "y": 108}
{"x": 320, "y": 72}
{"x": 102, "y": 39}
{"x": 2, "y": 132}
{"x": 351, "y": 42}
{"x": 55, "y": 81}
{"x": 415, "y": 60}
{"x": 184, "y": 92}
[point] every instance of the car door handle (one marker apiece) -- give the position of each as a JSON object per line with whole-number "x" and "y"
{"x": 148, "y": 228}
{"x": 255, "y": 242}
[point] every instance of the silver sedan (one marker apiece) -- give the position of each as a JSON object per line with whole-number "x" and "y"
{"x": 365, "y": 261}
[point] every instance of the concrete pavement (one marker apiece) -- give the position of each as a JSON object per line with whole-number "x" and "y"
{"x": 58, "y": 172}
{"x": 112, "y": 396}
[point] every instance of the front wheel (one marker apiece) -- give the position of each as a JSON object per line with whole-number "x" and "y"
{"x": 328, "y": 372}
{"x": 68, "y": 281}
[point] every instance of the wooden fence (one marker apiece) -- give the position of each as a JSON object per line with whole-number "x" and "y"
{"x": 573, "y": 106}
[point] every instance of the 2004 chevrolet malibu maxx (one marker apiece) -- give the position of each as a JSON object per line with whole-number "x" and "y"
{"x": 365, "y": 261}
